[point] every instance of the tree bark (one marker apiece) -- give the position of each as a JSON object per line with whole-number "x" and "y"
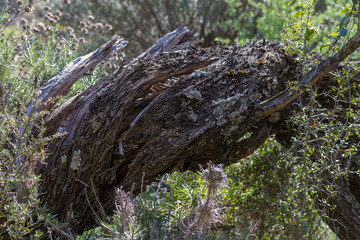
{"x": 174, "y": 107}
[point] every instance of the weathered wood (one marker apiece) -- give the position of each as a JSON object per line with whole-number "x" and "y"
{"x": 177, "y": 40}
{"x": 166, "y": 110}
{"x": 102, "y": 112}
{"x": 119, "y": 129}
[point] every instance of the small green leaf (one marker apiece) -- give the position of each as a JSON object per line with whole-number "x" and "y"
{"x": 326, "y": 45}
{"x": 310, "y": 33}
{"x": 344, "y": 10}
{"x": 342, "y": 21}
{"x": 298, "y": 14}
{"x": 333, "y": 34}
{"x": 343, "y": 32}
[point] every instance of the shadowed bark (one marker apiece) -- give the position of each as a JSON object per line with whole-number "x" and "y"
{"x": 174, "y": 107}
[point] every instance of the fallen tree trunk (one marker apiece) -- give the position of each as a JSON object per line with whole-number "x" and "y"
{"x": 174, "y": 107}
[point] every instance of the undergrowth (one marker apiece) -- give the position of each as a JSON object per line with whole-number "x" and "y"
{"x": 268, "y": 195}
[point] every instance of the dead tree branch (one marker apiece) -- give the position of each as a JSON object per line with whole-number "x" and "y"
{"x": 174, "y": 107}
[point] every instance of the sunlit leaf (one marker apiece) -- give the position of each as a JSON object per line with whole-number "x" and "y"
{"x": 344, "y": 10}
{"x": 326, "y": 45}
{"x": 298, "y": 14}
{"x": 310, "y": 33}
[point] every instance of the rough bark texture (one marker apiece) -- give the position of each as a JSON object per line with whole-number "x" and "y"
{"x": 174, "y": 107}
{"x": 344, "y": 220}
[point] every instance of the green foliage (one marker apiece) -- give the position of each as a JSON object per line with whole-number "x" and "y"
{"x": 272, "y": 201}
{"x": 272, "y": 194}
{"x": 143, "y": 22}
{"x": 318, "y": 26}
{"x": 28, "y": 59}
{"x": 22, "y": 215}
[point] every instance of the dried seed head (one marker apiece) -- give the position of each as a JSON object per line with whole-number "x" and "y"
{"x": 24, "y": 37}
{"x": 100, "y": 25}
{"x": 52, "y": 21}
{"x": 28, "y": 9}
{"x": 67, "y": 1}
{"x": 41, "y": 26}
{"x": 94, "y": 26}
{"x": 56, "y": 18}
{"x": 84, "y": 31}
{"x": 20, "y": 2}
{"x": 36, "y": 30}
{"x": 83, "y": 24}
{"x": 72, "y": 36}
{"x": 91, "y": 18}
{"x": 82, "y": 40}
{"x": 124, "y": 206}
{"x": 24, "y": 21}
{"x": 18, "y": 10}
{"x": 62, "y": 42}
{"x": 215, "y": 176}
{"x": 47, "y": 8}
{"x": 49, "y": 15}
{"x": 74, "y": 46}
{"x": 108, "y": 27}
{"x": 70, "y": 29}
{"x": 58, "y": 13}
{"x": 109, "y": 65}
